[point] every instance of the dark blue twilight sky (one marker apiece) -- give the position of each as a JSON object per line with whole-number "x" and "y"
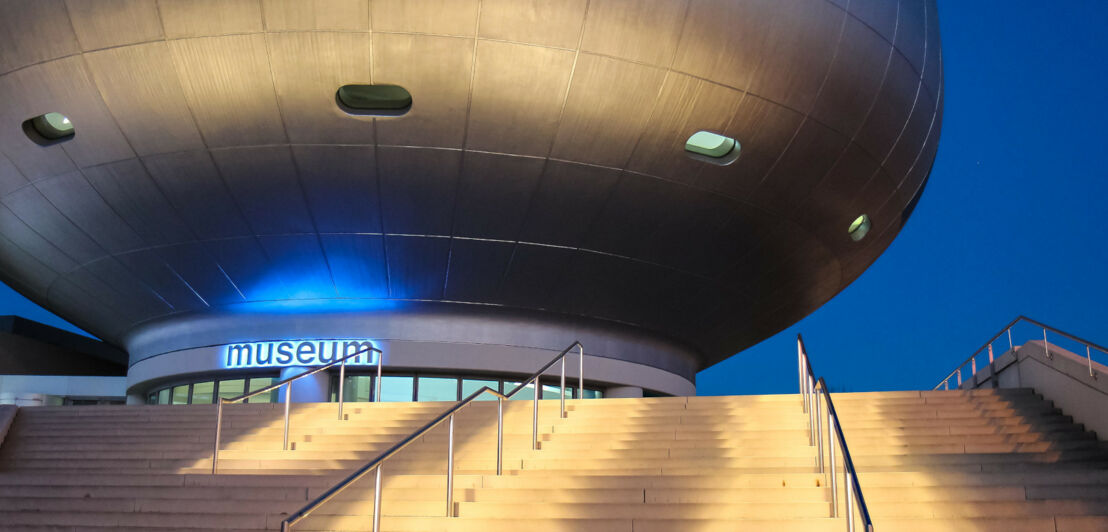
{"x": 1014, "y": 219}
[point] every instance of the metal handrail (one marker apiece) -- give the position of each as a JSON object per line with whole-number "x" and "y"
{"x": 288, "y": 396}
{"x": 850, "y": 473}
{"x": 972, "y": 360}
{"x": 377, "y": 463}
{"x": 811, "y": 390}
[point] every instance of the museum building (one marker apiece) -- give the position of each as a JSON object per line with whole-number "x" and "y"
{"x": 228, "y": 193}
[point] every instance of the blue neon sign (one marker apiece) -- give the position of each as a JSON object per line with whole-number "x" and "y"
{"x": 297, "y": 353}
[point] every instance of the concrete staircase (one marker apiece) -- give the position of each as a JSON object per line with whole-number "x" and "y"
{"x": 978, "y": 461}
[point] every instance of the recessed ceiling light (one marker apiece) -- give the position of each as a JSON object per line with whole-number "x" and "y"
{"x": 713, "y": 148}
{"x": 374, "y": 100}
{"x": 859, "y": 228}
{"x": 49, "y": 128}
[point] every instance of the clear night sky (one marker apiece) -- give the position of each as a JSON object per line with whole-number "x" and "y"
{"x": 1014, "y": 219}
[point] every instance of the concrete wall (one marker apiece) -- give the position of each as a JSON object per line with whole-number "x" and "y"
{"x": 1062, "y": 377}
{"x": 7, "y": 416}
{"x": 35, "y": 390}
{"x": 311, "y": 389}
{"x": 461, "y": 358}
{"x": 422, "y": 337}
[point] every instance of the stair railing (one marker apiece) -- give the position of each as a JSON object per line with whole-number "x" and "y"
{"x": 1007, "y": 330}
{"x": 287, "y": 383}
{"x": 814, "y": 395}
{"x": 448, "y": 417}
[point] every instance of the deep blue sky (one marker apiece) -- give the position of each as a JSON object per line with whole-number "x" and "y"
{"x": 1013, "y": 220}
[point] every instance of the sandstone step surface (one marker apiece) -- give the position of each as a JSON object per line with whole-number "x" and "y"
{"x": 981, "y": 461}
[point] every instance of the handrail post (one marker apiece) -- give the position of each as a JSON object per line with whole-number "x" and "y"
{"x": 342, "y": 379}
{"x": 811, "y": 410}
{"x": 450, "y": 469}
{"x": 287, "y": 384}
{"x": 831, "y": 455}
{"x": 377, "y": 389}
{"x": 990, "y": 353}
{"x": 800, "y": 374}
{"x": 959, "y": 377}
{"x": 1046, "y": 345}
{"x": 1010, "y": 345}
{"x": 808, "y": 379}
{"x": 808, "y": 405}
{"x": 1089, "y": 357}
{"x": 581, "y": 370}
{"x": 563, "y": 404}
{"x": 973, "y": 365}
{"x": 377, "y": 501}
{"x": 218, "y": 425}
{"x": 849, "y": 502}
{"x": 499, "y": 436}
{"x": 535, "y": 381}
{"x": 800, "y": 371}
{"x": 803, "y": 387}
{"x": 819, "y": 431}
{"x": 535, "y": 417}
{"x": 288, "y": 400}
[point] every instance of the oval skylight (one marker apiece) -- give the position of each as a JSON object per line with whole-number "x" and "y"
{"x": 49, "y": 128}
{"x": 712, "y": 148}
{"x": 859, "y": 228}
{"x": 376, "y": 100}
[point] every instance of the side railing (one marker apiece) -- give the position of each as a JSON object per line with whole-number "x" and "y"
{"x": 956, "y": 375}
{"x": 448, "y": 417}
{"x": 815, "y": 399}
{"x": 287, "y": 383}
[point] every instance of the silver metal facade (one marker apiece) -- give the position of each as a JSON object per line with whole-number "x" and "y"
{"x": 540, "y": 170}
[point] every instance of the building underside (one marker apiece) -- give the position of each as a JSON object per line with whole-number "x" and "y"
{"x": 539, "y": 189}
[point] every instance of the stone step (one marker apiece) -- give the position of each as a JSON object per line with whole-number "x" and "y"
{"x": 96, "y": 492}
{"x": 691, "y": 511}
{"x": 123, "y": 520}
{"x": 1041, "y": 524}
{"x": 563, "y": 442}
{"x": 783, "y": 424}
{"x": 950, "y": 460}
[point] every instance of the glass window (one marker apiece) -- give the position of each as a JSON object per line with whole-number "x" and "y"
{"x": 152, "y": 399}
{"x": 526, "y": 394}
{"x": 859, "y": 228}
{"x": 48, "y": 129}
{"x": 232, "y": 388}
{"x": 397, "y": 389}
{"x": 593, "y": 394}
{"x": 257, "y": 383}
{"x": 551, "y": 392}
{"x": 357, "y": 388}
{"x": 163, "y": 397}
{"x": 472, "y": 385}
{"x": 381, "y": 100}
{"x": 202, "y": 393}
{"x": 181, "y": 395}
{"x": 437, "y": 389}
{"x": 713, "y": 147}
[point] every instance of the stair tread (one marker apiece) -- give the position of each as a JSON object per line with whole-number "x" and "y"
{"x": 951, "y": 460}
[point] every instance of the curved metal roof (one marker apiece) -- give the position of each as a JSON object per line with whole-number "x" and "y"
{"x": 541, "y": 166}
